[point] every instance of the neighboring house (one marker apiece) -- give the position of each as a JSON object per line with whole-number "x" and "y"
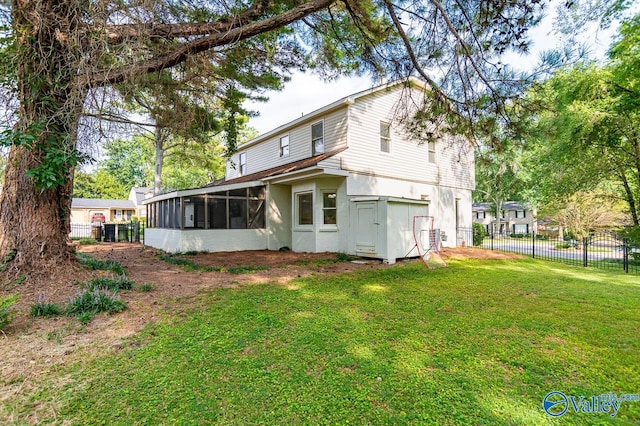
{"x": 82, "y": 209}
{"x": 138, "y": 195}
{"x": 516, "y": 218}
{"x": 345, "y": 178}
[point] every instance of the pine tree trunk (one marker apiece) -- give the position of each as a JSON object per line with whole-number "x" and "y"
{"x": 34, "y": 225}
{"x": 35, "y": 212}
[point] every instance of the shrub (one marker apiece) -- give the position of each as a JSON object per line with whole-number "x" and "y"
{"x": 344, "y": 257}
{"x": 45, "y": 309}
{"x": 516, "y": 235}
{"x": 146, "y": 287}
{"x": 85, "y": 317}
{"x": 632, "y": 234}
{"x": 6, "y": 303}
{"x": 542, "y": 237}
{"x": 478, "y": 234}
{"x": 564, "y": 245}
{"x": 112, "y": 284}
{"x": 101, "y": 265}
{"x": 178, "y": 261}
{"x": 188, "y": 264}
{"x": 90, "y": 302}
{"x": 87, "y": 241}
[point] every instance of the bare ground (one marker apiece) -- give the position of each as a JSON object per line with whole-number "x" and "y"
{"x": 30, "y": 347}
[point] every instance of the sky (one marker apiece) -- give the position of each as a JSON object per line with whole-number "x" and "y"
{"x": 307, "y": 92}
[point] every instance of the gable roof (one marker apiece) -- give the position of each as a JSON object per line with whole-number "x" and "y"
{"x": 95, "y": 203}
{"x": 279, "y": 170}
{"x": 140, "y": 193}
{"x": 506, "y": 205}
{"x": 340, "y": 103}
{"x": 481, "y": 207}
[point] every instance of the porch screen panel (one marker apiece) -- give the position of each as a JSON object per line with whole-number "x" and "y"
{"x": 256, "y": 214}
{"x": 257, "y": 192}
{"x": 217, "y": 213}
{"x": 177, "y": 224}
{"x": 172, "y": 213}
{"x": 237, "y": 213}
{"x": 165, "y": 219}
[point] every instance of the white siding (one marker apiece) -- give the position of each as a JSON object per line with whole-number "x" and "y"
{"x": 169, "y": 240}
{"x": 442, "y": 199}
{"x": 279, "y": 216}
{"x": 266, "y": 155}
{"x": 212, "y": 240}
{"x": 408, "y": 159}
{"x": 457, "y": 163}
{"x": 319, "y": 237}
{"x": 400, "y": 233}
{"x": 361, "y": 184}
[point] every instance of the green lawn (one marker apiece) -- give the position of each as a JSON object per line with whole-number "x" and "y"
{"x": 479, "y": 342}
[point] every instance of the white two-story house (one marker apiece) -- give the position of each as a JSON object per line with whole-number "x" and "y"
{"x": 344, "y": 178}
{"x": 515, "y": 218}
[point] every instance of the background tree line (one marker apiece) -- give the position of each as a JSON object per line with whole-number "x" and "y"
{"x": 579, "y": 158}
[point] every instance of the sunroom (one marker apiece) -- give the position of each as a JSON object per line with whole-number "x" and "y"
{"x": 219, "y": 218}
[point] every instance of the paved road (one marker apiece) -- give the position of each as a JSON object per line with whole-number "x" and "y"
{"x": 548, "y": 250}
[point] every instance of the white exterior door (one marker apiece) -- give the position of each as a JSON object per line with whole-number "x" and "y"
{"x": 366, "y": 227}
{"x": 188, "y": 215}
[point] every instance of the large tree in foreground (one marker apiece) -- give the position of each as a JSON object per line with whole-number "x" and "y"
{"x": 59, "y": 55}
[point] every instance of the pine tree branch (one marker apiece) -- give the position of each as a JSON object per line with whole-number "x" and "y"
{"x": 116, "y": 34}
{"x": 189, "y": 48}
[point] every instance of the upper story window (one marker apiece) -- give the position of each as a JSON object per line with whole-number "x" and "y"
{"x": 317, "y": 138}
{"x": 284, "y": 146}
{"x": 521, "y": 214}
{"x": 431, "y": 146}
{"x": 481, "y": 215}
{"x": 243, "y": 163}
{"x": 385, "y": 137}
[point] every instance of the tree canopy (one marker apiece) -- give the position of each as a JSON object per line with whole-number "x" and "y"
{"x": 588, "y": 136}
{"x": 581, "y": 149}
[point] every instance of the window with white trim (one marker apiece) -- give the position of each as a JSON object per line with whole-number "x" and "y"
{"x": 431, "y": 146}
{"x": 243, "y": 163}
{"x": 317, "y": 138}
{"x": 284, "y": 146}
{"x": 304, "y": 208}
{"x": 329, "y": 208}
{"x": 385, "y": 137}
